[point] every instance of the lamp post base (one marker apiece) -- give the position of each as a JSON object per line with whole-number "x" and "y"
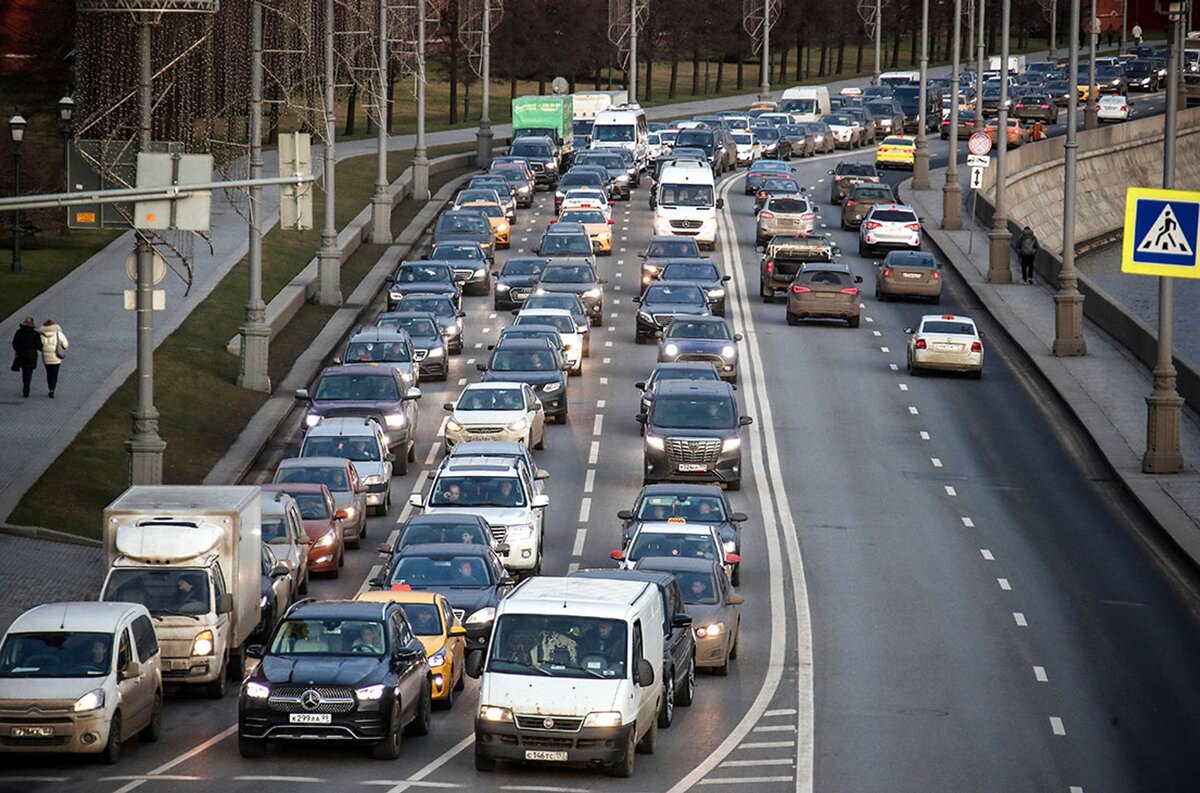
{"x": 951, "y": 205}
{"x": 999, "y": 268}
{"x": 145, "y": 449}
{"x": 420, "y": 177}
{"x": 1068, "y": 325}
{"x": 381, "y": 218}
{"x": 329, "y": 276}
{"x": 920, "y": 178}
{"x": 1162, "y": 431}
{"x": 483, "y": 146}
{"x": 255, "y": 357}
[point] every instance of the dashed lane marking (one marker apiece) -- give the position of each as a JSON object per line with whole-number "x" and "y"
{"x": 924, "y": 435}
{"x": 775, "y": 728}
{"x": 768, "y": 745}
{"x": 903, "y": 386}
{"x": 597, "y": 424}
{"x": 462, "y": 381}
{"x": 987, "y": 555}
{"x": 1056, "y": 726}
{"x": 580, "y": 538}
{"x": 1003, "y": 582}
{"x": 937, "y": 463}
{"x": 1020, "y": 619}
{"x": 589, "y": 480}
{"x": 429, "y": 458}
{"x": 913, "y": 410}
{"x": 950, "y": 491}
{"x": 594, "y": 453}
{"x": 758, "y": 761}
{"x": 1039, "y": 674}
{"x": 884, "y": 349}
{"x": 970, "y": 524}
{"x": 779, "y": 712}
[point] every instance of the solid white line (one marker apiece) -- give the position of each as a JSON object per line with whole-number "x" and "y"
{"x": 970, "y": 524}
{"x": 375, "y": 570}
{"x": 759, "y": 761}
{"x": 580, "y": 538}
{"x": 1039, "y": 674}
{"x": 747, "y": 780}
{"x": 441, "y": 432}
{"x": 1056, "y": 726}
{"x": 1020, "y": 619}
{"x": 183, "y": 758}
{"x": 405, "y": 512}
{"x": 462, "y": 381}
{"x": 589, "y": 480}
{"x": 1003, "y": 582}
{"x": 594, "y": 453}
{"x": 419, "y": 482}
{"x": 598, "y": 424}
{"x": 434, "y": 765}
{"x": 395, "y": 535}
{"x": 950, "y": 491}
{"x": 585, "y": 509}
{"x": 937, "y": 463}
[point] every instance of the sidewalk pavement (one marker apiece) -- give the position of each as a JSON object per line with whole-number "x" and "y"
{"x": 1105, "y": 389}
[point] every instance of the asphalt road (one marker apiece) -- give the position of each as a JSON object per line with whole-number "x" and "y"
{"x": 943, "y": 592}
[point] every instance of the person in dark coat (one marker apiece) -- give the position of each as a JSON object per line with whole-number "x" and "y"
{"x": 27, "y": 344}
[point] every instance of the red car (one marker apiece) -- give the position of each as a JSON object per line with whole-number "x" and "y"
{"x": 326, "y": 552}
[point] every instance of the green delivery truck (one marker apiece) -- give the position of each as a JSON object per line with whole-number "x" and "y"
{"x": 548, "y": 116}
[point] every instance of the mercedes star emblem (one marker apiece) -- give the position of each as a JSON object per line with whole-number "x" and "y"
{"x": 310, "y": 700}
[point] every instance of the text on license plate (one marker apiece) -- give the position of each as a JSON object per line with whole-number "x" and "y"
{"x": 911, "y": 275}
{"x": 309, "y": 718}
{"x": 693, "y": 467}
{"x": 946, "y": 347}
{"x": 32, "y": 732}
{"x": 534, "y": 754}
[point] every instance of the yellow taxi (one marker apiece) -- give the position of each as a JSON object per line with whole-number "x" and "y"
{"x": 501, "y": 231}
{"x": 597, "y": 225}
{"x": 444, "y": 638}
{"x": 897, "y": 151}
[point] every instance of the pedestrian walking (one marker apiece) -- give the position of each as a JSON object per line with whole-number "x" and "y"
{"x": 1027, "y": 246}
{"x": 27, "y": 344}
{"x": 54, "y": 349}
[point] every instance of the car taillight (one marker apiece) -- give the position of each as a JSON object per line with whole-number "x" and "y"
{"x": 797, "y": 290}
{"x": 766, "y": 214}
{"x": 976, "y": 347}
{"x": 807, "y": 216}
{"x": 770, "y": 266}
{"x": 920, "y": 345}
{"x": 850, "y": 202}
{"x": 887, "y": 272}
{"x": 853, "y": 290}
{"x": 913, "y": 226}
{"x": 1123, "y": 108}
{"x": 872, "y": 224}
{"x": 762, "y": 194}
{"x": 936, "y": 275}
{"x": 1044, "y": 107}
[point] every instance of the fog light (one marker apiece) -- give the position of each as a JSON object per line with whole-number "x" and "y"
{"x": 526, "y": 553}
{"x": 90, "y": 737}
{"x": 438, "y": 680}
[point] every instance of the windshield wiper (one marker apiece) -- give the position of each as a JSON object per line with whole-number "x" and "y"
{"x": 524, "y": 665}
{"x": 578, "y": 668}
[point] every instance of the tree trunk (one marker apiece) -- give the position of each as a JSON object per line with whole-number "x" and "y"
{"x": 799, "y": 54}
{"x": 599, "y": 77}
{"x": 467, "y": 93}
{"x": 541, "y": 86}
{"x": 914, "y": 39}
{"x": 695, "y": 72}
{"x": 649, "y": 81}
{"x": 707, "y": 75}
{"x": 741, "y": 71}
{"x": 720, "y": 74}
{"x": 824, "y": 52}
{"x": 571, "y": 84}
{"x": 674, "y": 73}
{"x": 895, "y": 52}
{"x": 453, "y": 80}
{"x": 512, "y": 87}
{"x": 858, "y": 60}
{"x": 351, "y": 110}
{"x": 783, "y": 61}
{"x": 841, "y": 59}
{"x": 391, "y": 99}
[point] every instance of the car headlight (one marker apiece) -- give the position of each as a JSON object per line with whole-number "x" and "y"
{"x": 312, "y": 420}
{"x": 728, "y": 352}
{"x": 716, "y": 292}
{"x": 623, "y": 178}
{"x": 650, "y": 269}
{"x": 326, "y": 540}
{"x": 524, "y": 531}
{"x": 523, "y": 189}
{"x": 502, "y": 287}
{"x": 550, "y": 388}
{"x": 494, "y": 713}
{"x": 452, "y": 330}
{"x": 203, "y": 644}
{"x": 257, "y": 690}
{"x": 645, "y": 317}
{"x": 263, "y": 601}
{"x": 438, "y": 658}
{"x": 369, "y": 693}
{"x": 716, "y": 629}
{"x": 374, "y": 479}
{"x": 519, "y": 425}
{"x": 731, "y": 444}
{"x": 435, "y": 352}
{"x": 482, "y": 616}
{"x": 453, "y": 426}
{"x": 655, "y": 442}
{"x": 479, "y": 272}
{"x": 541, "y": 291}
{"x": 92, "y": 700}
{"x": 502, "y": 227}
{"x": 819, "y": 138}
{"x": 602, "y": 718}
{"x": 350, "y": 512}
{"x": 593, "y": 293}
{"x": 671, "y": 349}
{"x": 559, "y": 196}
{"x": 395, "y": 421}
{"x": 729, "y": 546}
{"x": 395, "y": 296}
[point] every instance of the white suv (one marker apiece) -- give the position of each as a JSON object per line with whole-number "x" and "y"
{"x": 893, "y": 226}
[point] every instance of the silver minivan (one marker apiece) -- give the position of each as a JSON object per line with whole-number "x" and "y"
{"x": 80, "y": 678}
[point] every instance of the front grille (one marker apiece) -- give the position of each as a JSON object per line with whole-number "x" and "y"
{"x": 685, "y": 224}
{"x": 663, "y": 319}
{"x": 419, "y": 355}
{"x": 545, "y": 742}
{"x": 35, "y": 720}
{"x": 693, "y": 451}
{"x": 290, "y": 699}
{"x": 463, "y": 272}
{"x": 484, "y": 430}
{"x": 499, "y": 533}
{"x": 537, "y": 167}
{"x": 13, "y": 711}
{"x": 57, "y": 740}
{"x": 699, "y": 357}
{"x": 558, "y": 723}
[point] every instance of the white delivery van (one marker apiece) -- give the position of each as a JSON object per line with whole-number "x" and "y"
{"x": 897, "y": 79}
{"x": 685, "y": 203}
{"x": 572, "y": 674}
{"x": 805, "y": 103}
{"x": 623, "y": 128}
{"x": 1016, "y": 63}
{"x": 589, "y": 104}
{"x": 192, "y": 555}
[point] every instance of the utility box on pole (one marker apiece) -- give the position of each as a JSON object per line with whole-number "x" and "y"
{"x": 296, "y": 201}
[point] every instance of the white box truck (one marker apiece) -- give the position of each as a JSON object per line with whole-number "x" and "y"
{"x": 589, "y": 104}
{"x": 806, "y": 103}
{"x": 192, "y": 554}
{"x": 1016, "y": 63}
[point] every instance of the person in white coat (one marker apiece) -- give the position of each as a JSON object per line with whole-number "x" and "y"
{"x": 54, "y": 348}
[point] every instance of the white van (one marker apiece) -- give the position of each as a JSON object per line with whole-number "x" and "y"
{"x": 685, "y": 203}
{"x": 80, "y": 678}
{"x": 623, "y": 128}
{"x": 898, "y": 79}
{"x": 573, "y": 674}
{"x": 805, "y": 103}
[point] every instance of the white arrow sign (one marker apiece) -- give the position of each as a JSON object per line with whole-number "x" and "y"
{"x": 976, "y": 178}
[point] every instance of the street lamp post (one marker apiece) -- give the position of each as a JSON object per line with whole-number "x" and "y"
{"x": 483, "y": 138}
{"x": 633, "y": 55}
{"x": 381, "y": 206}
{"x": 329, "y": 261}
{"x": 420, "y": 163}
{"x": 66, "y": 109}
{"x": 999, "y": 268}
{"x": 764, "y": 83}
{"x": 952, "y": 192}
{"x": 979, "y": 60}
{"x": 1068, "y": 302}
{"x": 921, "y": 156}
{"x": 1092, "y": 113}
{"x": 16, "y": 127}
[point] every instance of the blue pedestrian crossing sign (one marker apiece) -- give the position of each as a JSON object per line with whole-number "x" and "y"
{"x": 1162, "y": 233}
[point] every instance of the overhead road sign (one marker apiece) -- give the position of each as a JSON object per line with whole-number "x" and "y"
{"x": 1162, "y": 233}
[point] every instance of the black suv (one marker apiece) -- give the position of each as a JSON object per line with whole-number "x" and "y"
{"x": 539, "y": 153}
{"x": 574, "y": 277}
{"x": 422, "y": 278}
{"x": 679, "y": 644}
{"x": 336, "y": 670}
{"x": 693, "y": 433}
{"x": 535, "y": 363}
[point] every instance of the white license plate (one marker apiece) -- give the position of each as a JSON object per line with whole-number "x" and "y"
{"x": 692, "y": 467}
{"x": 911, "y": 275}
{"x": 557, "y": 757}
{"x": 309, "y": 718}
{"x": 33, "y": 732}
{"x": 946, "y": 347}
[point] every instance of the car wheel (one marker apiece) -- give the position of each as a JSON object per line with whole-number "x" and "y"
{"x": 977, "y": 374}
{"x": 249, "y": 748}
{"x": 666, "y": 711}
{"x": 541, "y": 444}
{"x": 421, "y": 722}
{"x": 649, "y": 741}
{"x": 341, "y": 561}
{"x": 723, "y": 669}
{"x": 216, "y": 689}
{"x": 461, "y": 684}
{"x": 862, "y": 249}
{"x": 735, "y": 577}
{"x": 401, "y": 466}
{"x": 112, "y": 750}
{"x": 623, "y": 768}
{"x": 733, "y": 649}
{"x": 853, "y": 321}
{"x": 389, "y": 747}
{"x": 686, "y": 695}
{"x": 768, "y": 294}
{"x": 792, "y": 319}
{"x": 483, "y": 764}
{"x": 353, "y": 543}
{"x": 303, "y": 588}
{"x": 153, "y": 731}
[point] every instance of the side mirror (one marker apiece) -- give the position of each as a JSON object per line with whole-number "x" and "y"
{"x": 132, "y": 670}
{"x": 542, "y": 475}
{"x": 384, "y": 549}
{"x": 617, "y": 556}
{"x": 738, "y": 336}
{"x": 474, "y": 665}
{"x": 681, "y": 620}
{"x": 640, "y": 385}
{"x": 412, "y": 393}
{"x": 745, "y": 421}
{"x": 389, "y": 458}
{"x": 417, "y": 500}
{"x": 726, "y": 278}
{"x": 908, "y": 330}
{"x": 735, "y": 599}
{"x": 625, "y": 514}
{"x": 830, "y": 173}
{"x": 540, "y": 501}
{"x": 481, "y": 367}
{"x": 391, "y": 279}
{"x": 637, "y": 301}
{"x": 732, "y": 558}
{"x": 602, "y": 281}
{"x": 461, "y": 315}
{"x": 720, "y": 203}
{"x": 225, "y": 604}
{"x": 254, "y": 651}
{"x": 302, "y": 395}
{"x": 448, "y": 405}
{"x": 641, "y": 254}
{"x": 405, "y": 654}
{"x": 858, "y": 279}
{"x": 378, "y": 582}
{"x": 644, "y": 674}
{"x": 279, "y": 570}
{"x": 641, "y": 418}
{"x": 458, "y": 630}
{"x": 759, "y": 249}
{"x": 538, "y": 248}
{"x": 739, "y": 517}
{"x": 337, "y": 361}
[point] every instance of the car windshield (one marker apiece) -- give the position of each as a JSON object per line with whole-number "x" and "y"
{"x": 689, "y": 507}
{"x": 419, "y": 572}
{"x": 491, "y": 210}
{"x": 579, "y": 179}
{"x": 359, "y": 448}
{"x": 378, "y": 352}
{"x": 476, "y": 193}
{"x": 563, "y": 324}
{"x": 425, "y": 619}
{"x": 698, "y": 138}
{"x": 699, "y": 589}
{"x": 780, "y": 186}
{"x": 553, "y": 646}
{"x": 949, "y": 327}
{"x": 578, "y": 244}
{"x": 766, "y": 134}
{"x": 856, "y": 169}
{"x": 799, "y": 106}
{"x": 690, "y": 329}
{"x": 312, "y": 506}
{"x": 568, "y": 274}
{"x": 491, "y": 399}
{"x": 417, "y": 327}
{"x": 787, "y": 205}
{"x": 837, "y": 121}
{"x": 690, "y": 546}
{"x": 56, "y": 654}
{"x": 330, "y": 636}
{"x": 606, "y": 161}
{"x": 680, "y": 412}
{"x": 688, "y": 271}
{"x": 463, "y": 222}
{"x": 522, "y": 361}
{"x": 613, "y": 133}
{"x": 477, "y": 491}
{"x": 170, "y": 591}
{"x": 458, "y": 252}
{"x": 467, "y": 533}
{"x": 871, "y": 194}
{"x": 743, "y": 138}
{"x": 689, "y": 373}
{"x": 670, "y": 293}
{"x": 274, "y": 530}
{"x": 564, "y": 301}
{"x": 898, "y": 142}
{"x": 686, "y": 195}
{"x": 333, "y": 478}
{"x": 357, "y": 388}
{"x": 537, "y": 150}
{"x": 522, "y": 267}
{"x": 911, "y": 260}
{"x": 512, "y": 176}
{"x": 438, "y": 306}
{"x": 663, "y": 249}
{"x": 583, "y": 216}
{"x": 835, "y": 277}
{"x": 419, "y": 273}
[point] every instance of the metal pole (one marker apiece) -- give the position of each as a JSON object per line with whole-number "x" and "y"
{"x": 1091, "y": 113}
{"x": 1068, "y": 302}
{"x": 483, "y": 138}
{"x": 1164, "y": 404}
{"x": 999, "y": 268}
{"x": 329, "y": 262}
{"x": 878, "y": 41}
{"x": 66, "y": 136}
{"x": 381, "y": 205}
{"x": 1052, "y": 50}
{"x": 633, "y": 63}
{"x": 16, "y": 229}
{"x": 921, "y": 156}
{"x": 951, "y": 191}
{"x": 145, "y": 447}
{"x": 420, "y": 166}
{"x": 979, "y": 60}
{"x": 1124, "y": 22}
{"x": 764, "y": 84}
{"x": 255, "y": 333}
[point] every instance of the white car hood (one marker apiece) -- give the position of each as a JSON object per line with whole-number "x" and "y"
{"x": 365, "y": 468}
{"x": 49, "y": 689}
{"x": 487, "y": 418}
{"x": 496, "y": 516}
{"x": 553, "y": 696}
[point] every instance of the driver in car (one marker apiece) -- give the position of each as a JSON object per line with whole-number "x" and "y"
{"x": 604, "y": 642}
{"x": 368, "y": 641}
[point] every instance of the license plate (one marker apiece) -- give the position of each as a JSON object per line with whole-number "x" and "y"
{"x": 534, "y": 754}
{"x": 33, "y": 732}
{"x": 825, "y": 295}
{"x": 692, "y": 467}
{"x": 946, "y": 347}
{"x": 910, "y": 275}
{"x": 309, "y": 718}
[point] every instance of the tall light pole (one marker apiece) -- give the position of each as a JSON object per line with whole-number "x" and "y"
{"x": 329, "y": 262}
{"x": 979, "y": 60}
{"x": 255, "y": 333}
{"x": 1050, "y": 11}
{"x": 633, "y": 65}
{"x": 381, "y": 206}
{"x": 1124, "y": 22}
{"x": 1092, "y": 113}
{"x": 951, "y": 191}
{"x": 1068, "y": 302}
{"x": 420, "y": 166}
{"x": 1164, "y": 404}
{"x": 921, "y": 156}
{"x": 764, "y": 83}
{"x": 66, "y": 109}
{"x": 999, "y": 267}
{"x": 16, "y": 127}
{"x": 878, "y": 41}
{"x": 483, "y": 138}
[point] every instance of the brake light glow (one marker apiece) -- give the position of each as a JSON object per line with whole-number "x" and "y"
{"x": 770, "y": 266}
{"x": 887, "y": 272}
{"x": 976, "y": 347}
{"x": 799, "y": 290}
{"x": 766, "y": 215}
{"x": 850, "y": 291}
{"x": 936, "y": 275}
{"x": 807, "y": 216}
{"x": 850, "y": 202}
{"x": 913, "y": 226}
{"x": 872, "y": 224}
{"x": 920, "y": 345}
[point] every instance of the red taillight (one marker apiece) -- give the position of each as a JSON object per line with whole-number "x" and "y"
{"x": 1044, "y": 107}
{"x": 976, "y": 347}
{"x": 807, "y": 216}
{"x": 797, "y": 290}
{"x": 920, "y": 345}
{"x": 850, "y": 202}
{"x": 770, "y": 266}
{"x": 762, "y": 194}
{"x": 936, "y": 275}
{"x": 872, "y": 224}
{"x": 766, "y": 214}
{"x": 850, "y": 291}
{"x": 913, "y": 226}
{"x": 1123, "y": 108}
{"x": 887, "y": 272}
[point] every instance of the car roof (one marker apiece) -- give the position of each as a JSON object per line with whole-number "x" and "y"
{"x": 489, "y": 449}
{"x": 314, "y": 462}
{"x": 705, "y": 318}
{"x": 386, "y": 370}
{"x": 544, "y": 312}
{"x": 525, "y": 344}
{"x": 444, "y": 549}
{"x": 341, "y": 609}
{"x": 401, "y": 596}
{"x": 946, "y": 317}
{"x": 664, "y": 527}
{"x": 548, "y": 594}
{"x": 658, "y": 578}
{"x": 681, "y": 365}
{"x": 81, "y": 616}
{"x": 695, "y": 387}
{"x": 497, "y": 466}
{"x": 902, "y": 256}
{"x": 408, "y": 315}
{"x": 674, "y": 488}
{"x": 343, "y": 425}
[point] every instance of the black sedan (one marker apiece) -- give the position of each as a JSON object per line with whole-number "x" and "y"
{"x": 662, "y": 302}
{"x": 442, "y": 307}
{"x": 692, "y": 504}
{"x": 575, "y": 277}
{"x": 470, "y": 263}
{"x": 515, "y": 280}
{"x": 428, "y": 343}
{"x": 704, "y": 274}
{"x": 701, "y": 339}
{"x": 422, "y": 278}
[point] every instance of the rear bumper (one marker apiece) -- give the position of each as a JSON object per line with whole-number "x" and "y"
{"x": 948, "y": 362}
{"x": 822, "y": 309}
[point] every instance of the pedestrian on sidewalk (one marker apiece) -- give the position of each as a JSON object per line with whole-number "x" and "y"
{"x": 27, "y": 344}
{"x": 54, "y": 349}
{"x": 1027, "y": 247}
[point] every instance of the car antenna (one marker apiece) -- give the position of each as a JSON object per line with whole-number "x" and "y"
{"x": 62, "y": 623}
